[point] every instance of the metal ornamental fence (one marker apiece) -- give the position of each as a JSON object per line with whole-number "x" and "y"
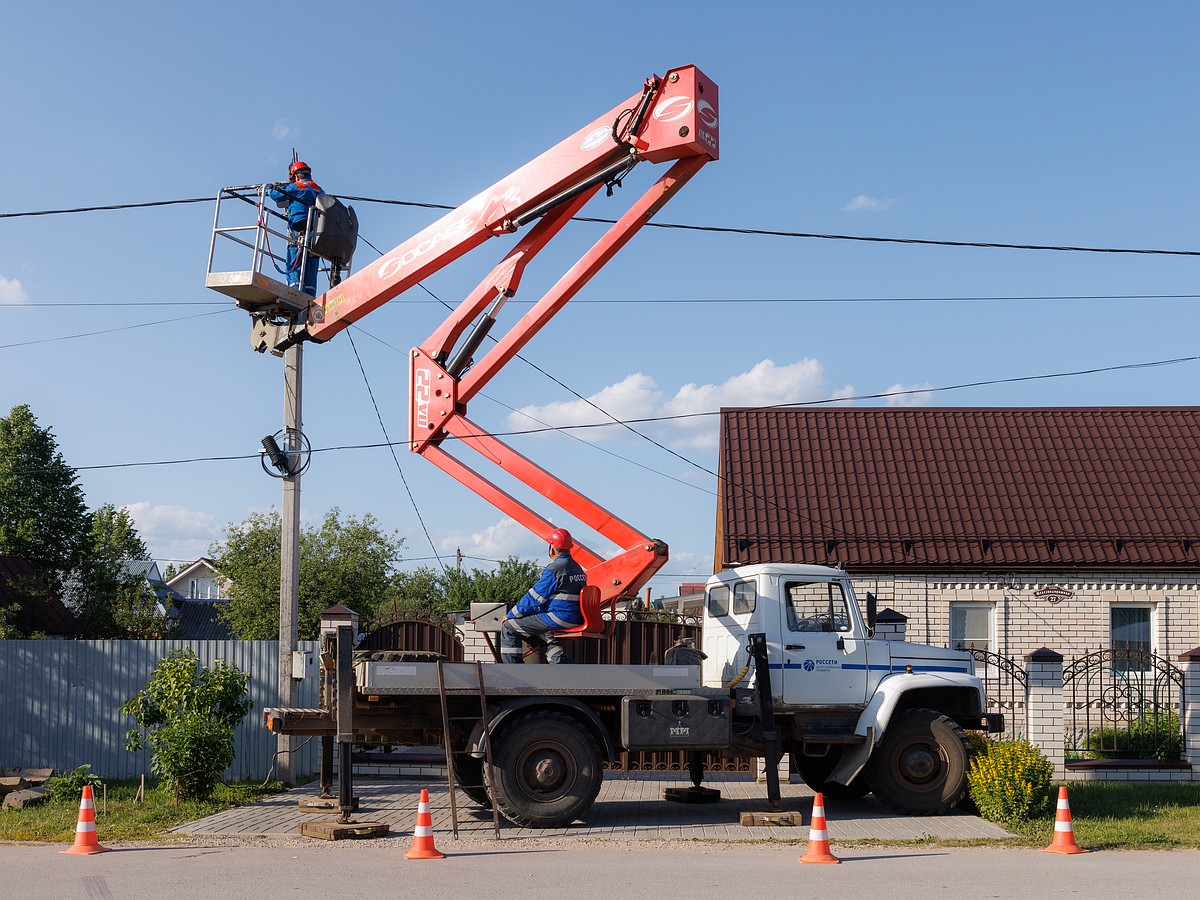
{"x": 1004, "y": 683}
{"x": 1122, "y": 703}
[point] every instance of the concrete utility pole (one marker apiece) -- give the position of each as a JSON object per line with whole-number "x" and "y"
{"x": 289, "y": 556}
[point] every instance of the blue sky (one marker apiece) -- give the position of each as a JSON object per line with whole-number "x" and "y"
{"x": 1029, "y": 123}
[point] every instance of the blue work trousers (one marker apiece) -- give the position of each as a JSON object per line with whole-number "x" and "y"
{"x": 293, "y": 267}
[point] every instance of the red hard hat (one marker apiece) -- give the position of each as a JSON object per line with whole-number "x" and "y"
{"x": 560, "y": 539}
{"x": 297, "y": 166}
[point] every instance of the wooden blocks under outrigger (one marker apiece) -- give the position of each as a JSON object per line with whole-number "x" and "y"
{"x": 338, "y": 831}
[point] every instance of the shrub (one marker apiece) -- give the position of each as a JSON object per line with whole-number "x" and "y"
{"x": 1150, "y": 736}
{"x": 69, "y": 786}
{"x": 189, "y": 713}
{"x": 1010, "y": 782}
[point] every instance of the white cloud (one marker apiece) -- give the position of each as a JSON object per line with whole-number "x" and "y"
{"x": 865, "y": 203}
{"x": 11, "y": 291}
{"x": 634, "y": 397}
{"x": 173, "y": 532}
{"x": 284, "y": 132}
{"x": 499, "y": 541}
{"x": 638, "y": 397}
{"x": 909, "y": 394}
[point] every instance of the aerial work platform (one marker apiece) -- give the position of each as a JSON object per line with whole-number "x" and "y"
{"x": 242, "y": 263}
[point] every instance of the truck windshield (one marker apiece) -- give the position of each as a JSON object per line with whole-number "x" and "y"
{"x": 817, "y": 606}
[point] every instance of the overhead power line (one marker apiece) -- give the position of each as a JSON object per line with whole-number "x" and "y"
{"x": 717, "y": 229}
{"x": 83, "y": 334}
{"x": 841, "y": 400}
{"x": 952, "y": 298}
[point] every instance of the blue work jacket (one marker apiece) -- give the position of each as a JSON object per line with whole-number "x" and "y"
{"x": 555, "y": 593}
{"x": 298, "y": 197}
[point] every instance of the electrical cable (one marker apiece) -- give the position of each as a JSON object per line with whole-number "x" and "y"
{"x": 675, "y": 300}
{"x": 70, "y": 337}
{"x": 392, "y": 449}
{"x": 716, "y": 229}
{"x": 828, "y": 400}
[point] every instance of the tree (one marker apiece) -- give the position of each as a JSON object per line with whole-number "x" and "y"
{"x": 420, "y": 588}
{"x": 112, "y": 601}
{"x": 349, "y": 561}
{"x": 428, "y": 590}
{"x": 189, "y": 713}
{"x": 505, "y": 585}
{"x": 43, "y": 517}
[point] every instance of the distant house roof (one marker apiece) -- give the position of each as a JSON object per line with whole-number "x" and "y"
{"x": 977, "y": 488}
{"x": 203, "y": 567}
{"x": 198, "y": 620}
{"x": 41, "y": 610}
{"x": 148, "y": 569}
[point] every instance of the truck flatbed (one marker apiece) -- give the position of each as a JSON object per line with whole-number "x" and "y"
{"x": 378, "y": 679}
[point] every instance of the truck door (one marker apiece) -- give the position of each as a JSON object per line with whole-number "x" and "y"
{"x": 824, "y": 658}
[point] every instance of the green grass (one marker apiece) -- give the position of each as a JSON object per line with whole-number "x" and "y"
{"x": 1126, "y": 815}
{"x": 126, "y": 819}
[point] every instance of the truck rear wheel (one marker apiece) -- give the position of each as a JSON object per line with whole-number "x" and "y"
{"x": 921, "y": 766}
{"x": 815, "y": 772}
{"x": 547, "y": 770}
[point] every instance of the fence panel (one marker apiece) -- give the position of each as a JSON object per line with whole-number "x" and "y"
{"x": 59, "y": 707}
{"x": 1122, "y": 703}
{"x": 1004, "y": 684}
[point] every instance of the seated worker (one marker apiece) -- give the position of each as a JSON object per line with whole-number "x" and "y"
{"x": 298, "y": 197}
{"x": 551, "y": 604}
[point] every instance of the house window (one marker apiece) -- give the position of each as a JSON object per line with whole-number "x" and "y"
{"x": 971, "y": 626}
{"x": 194, "y": 588}
{"x": 1129, "y": 633}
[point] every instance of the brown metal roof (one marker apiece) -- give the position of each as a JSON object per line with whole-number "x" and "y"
{"x": 961, "y": 488}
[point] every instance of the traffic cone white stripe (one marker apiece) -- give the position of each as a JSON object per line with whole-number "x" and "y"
{"x": 818, "y": 835}
{"x": 85, "y": 826}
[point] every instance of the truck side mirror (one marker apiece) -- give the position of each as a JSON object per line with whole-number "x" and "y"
{"x": 872, "y": 610}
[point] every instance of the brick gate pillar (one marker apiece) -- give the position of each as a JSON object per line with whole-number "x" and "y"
{"x": 1191, "y": 706}
{"x": 1044, "y": 706}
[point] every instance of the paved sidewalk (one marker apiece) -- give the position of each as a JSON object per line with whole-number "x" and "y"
{"x": 628, "y": 808}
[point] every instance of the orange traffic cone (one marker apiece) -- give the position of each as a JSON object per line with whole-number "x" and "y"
{"x": 818, "y": 837}
{"x": 422, "y": 846}
{"x": 85, "y": 829}
{"x": 1064, "y": 831}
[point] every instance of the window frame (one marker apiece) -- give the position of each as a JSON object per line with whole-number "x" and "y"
{"x": 715, "y": 608}
{"x": 963, "y": 606}
{"x": 1148, "y": 608}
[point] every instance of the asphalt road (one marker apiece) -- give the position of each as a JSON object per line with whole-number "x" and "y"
{"x": 541, "y": 869}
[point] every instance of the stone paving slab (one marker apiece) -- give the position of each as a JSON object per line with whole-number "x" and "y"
{"x": 627, "y": 808}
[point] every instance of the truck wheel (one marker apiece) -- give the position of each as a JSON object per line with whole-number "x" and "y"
{"x": 920, "y": 769}
{"x": 468, "y": 777}
{"x": 815, "y": 772}
{"x": 547, "y": 770}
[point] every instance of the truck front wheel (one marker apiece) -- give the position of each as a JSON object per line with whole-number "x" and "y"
{"x": 547, "y": 770}
{"x": 921, "y": 766}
